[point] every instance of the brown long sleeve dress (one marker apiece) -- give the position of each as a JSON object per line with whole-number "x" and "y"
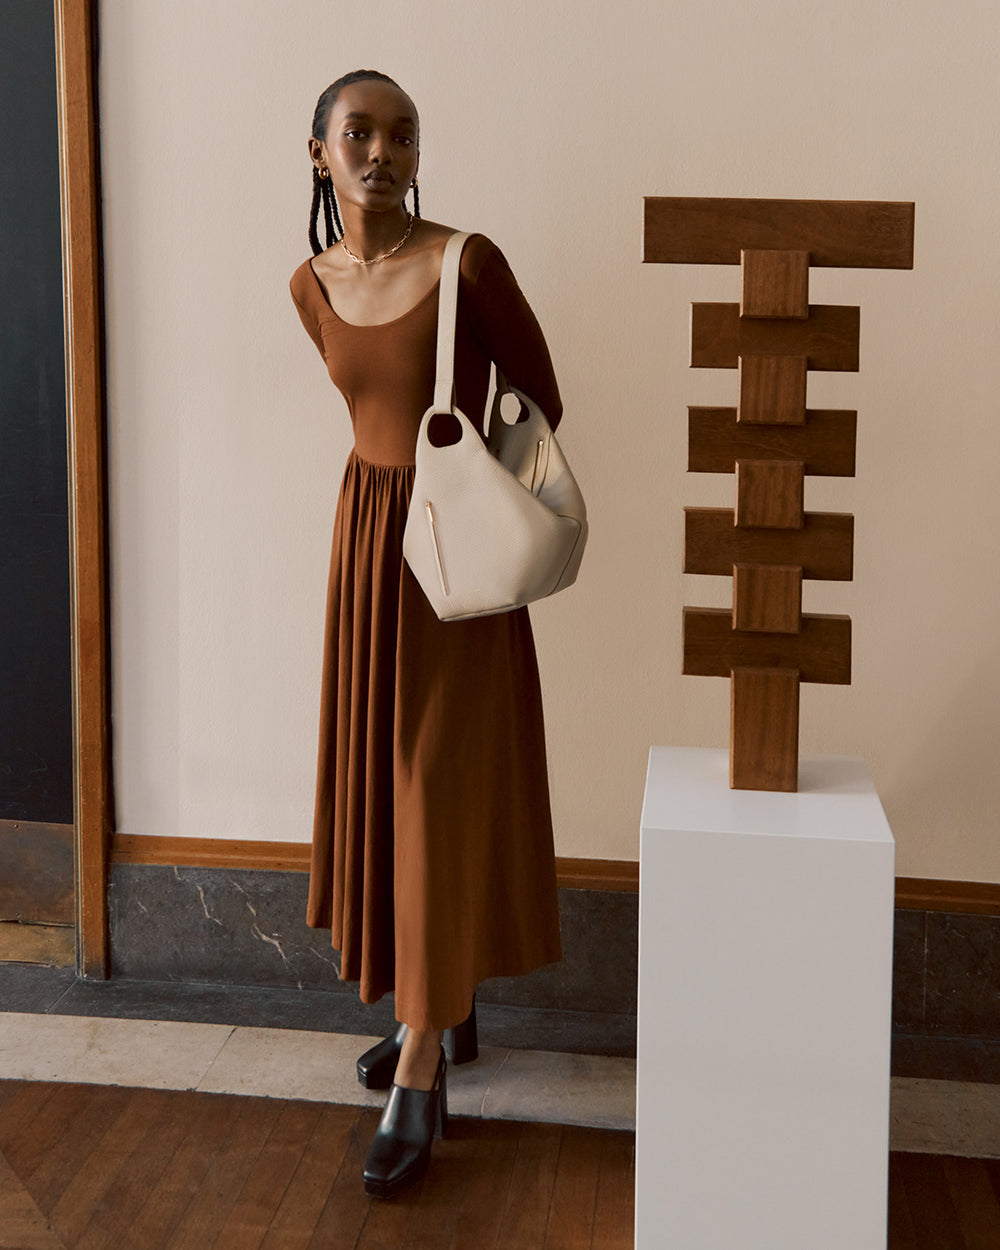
{"x": 432, "y": 860}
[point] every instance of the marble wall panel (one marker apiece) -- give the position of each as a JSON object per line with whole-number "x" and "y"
{"x": 247, "y": 927}
{"x": 230, "y": 927}
{"x": 963, "y": 975}
{"x": 908, "y": 971}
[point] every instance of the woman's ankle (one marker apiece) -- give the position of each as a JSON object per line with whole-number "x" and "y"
{"x": 418, "y": 1059}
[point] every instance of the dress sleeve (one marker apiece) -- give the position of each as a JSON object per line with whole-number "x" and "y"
{"x": 504, "y": 324}
{"x": 302, "y": 305}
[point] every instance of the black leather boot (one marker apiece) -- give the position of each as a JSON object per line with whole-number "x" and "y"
{"x": 401, "y": 1149}
{"x": 461, "y": 1044}
{"x": 377, "y": 1066}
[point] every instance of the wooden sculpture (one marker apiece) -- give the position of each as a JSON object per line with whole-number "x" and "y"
{"x": 771, "y": 441}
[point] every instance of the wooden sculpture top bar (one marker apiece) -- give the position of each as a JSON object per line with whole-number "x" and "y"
{"x": 843, "y": 234}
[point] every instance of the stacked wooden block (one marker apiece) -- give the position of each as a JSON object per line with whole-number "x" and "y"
{"x": 771, "y": 441}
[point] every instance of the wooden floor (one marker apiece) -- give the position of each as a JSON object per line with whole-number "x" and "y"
{"x": 137, "y": 1169}
{"x": 943, "y": 1203}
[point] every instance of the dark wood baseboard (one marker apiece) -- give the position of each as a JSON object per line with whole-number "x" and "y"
{"x": 912, "y": 893}
{"x": 920, "y": 894}
{"x": 598, "y": 874}
{"x": 128, "y": 848}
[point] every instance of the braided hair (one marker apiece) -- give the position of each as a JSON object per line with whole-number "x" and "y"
{"x": 323, "y": 192}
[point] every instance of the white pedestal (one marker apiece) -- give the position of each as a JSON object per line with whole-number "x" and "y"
{"x": 765, "y": 980}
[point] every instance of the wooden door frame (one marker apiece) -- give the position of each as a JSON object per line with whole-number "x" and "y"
{"x": 79, "y": 166}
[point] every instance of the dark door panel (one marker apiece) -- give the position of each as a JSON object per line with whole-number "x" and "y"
{"x": 36, "y": 749}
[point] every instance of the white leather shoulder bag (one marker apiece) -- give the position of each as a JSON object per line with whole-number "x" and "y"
{"x": 495, "y": 525}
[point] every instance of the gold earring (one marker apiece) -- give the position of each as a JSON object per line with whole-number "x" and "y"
{"x": 323, "y": 172}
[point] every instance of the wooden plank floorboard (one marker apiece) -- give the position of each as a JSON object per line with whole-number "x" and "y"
{"x": 489, "y": 1148}
{"x": 22, "y": 1223}
{"x": 346, "y": 1208}
{"x": 464, "y": 1197}
{"x": 902, "y": 1235}
{"x": 935, "y": 1220}
{"x": 438, "y": 1210}
{"x": 305, "y": 1195}
{"x": 85, "y": 1125}
{"x": 614, "y": 1217}
{"x": 22, "y": 1102}
{"x": 388, "y": 1223}
{"x": 224, "y": 1181}
{"x": 209, "y": 1119}
{"x": 97, "y": 1208}
{"x": 531, "y": 1184}
{"x": 993, "y": 1172}
{"x": 570, "y": 1224}
{"x": 975, "y": 1201}
{"x": 268, "y": 1179}
{"x": 158, "y": 1133}
{"x": 40, "y": 1135}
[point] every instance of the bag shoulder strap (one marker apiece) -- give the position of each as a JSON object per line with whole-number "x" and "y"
{"x": 444, "y": 382}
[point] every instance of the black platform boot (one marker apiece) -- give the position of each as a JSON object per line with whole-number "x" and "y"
{"x": 461, "y": 1044}
{"x": 401, "y": 1148}
{"x": 377, "y": 1066}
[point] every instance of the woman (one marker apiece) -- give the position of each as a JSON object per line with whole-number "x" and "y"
{"x": 432, "y": 860}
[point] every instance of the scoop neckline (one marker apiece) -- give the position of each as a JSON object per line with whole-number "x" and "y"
{"x": 370, "y": 325}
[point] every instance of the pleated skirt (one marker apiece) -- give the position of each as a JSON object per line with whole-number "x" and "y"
{"x": 432, "y": 858}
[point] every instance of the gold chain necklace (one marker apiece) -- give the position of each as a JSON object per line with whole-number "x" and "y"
{"x": 360, "y": 260}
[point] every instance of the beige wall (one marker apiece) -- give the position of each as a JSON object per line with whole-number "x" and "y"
{"x": 544, "y": 125}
